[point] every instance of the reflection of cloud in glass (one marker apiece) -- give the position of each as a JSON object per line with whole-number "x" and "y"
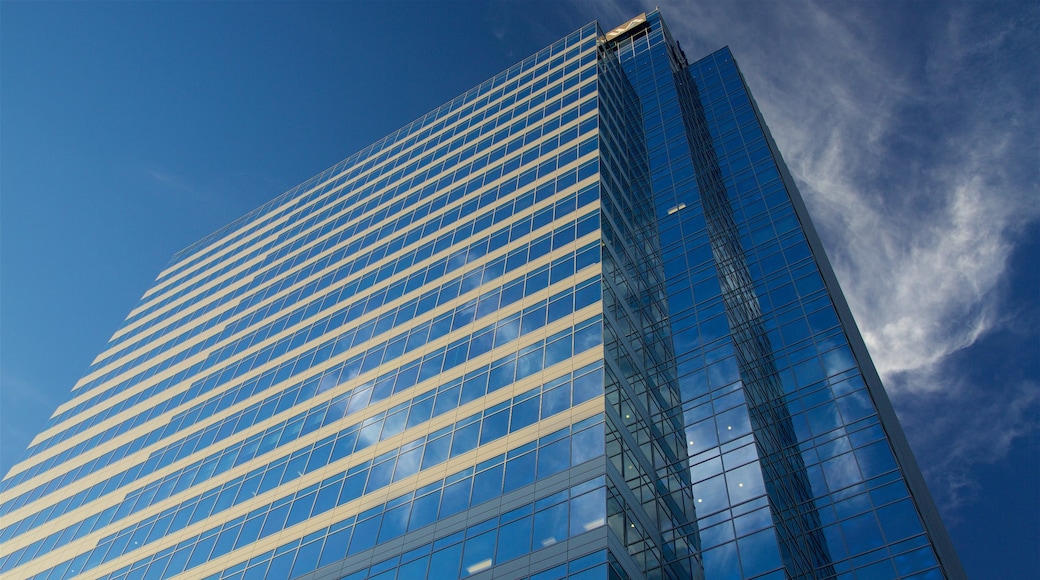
{"x": 841, "y": 472}
{"x": 369, "y": 433}
{"x": 838, "y": 360}
{"x": 740, "y": 456}
{"x": 701, "y": 437}
{"x": 588, "y": 338}
{"x": 464, "y": 315}
{"x": 706, "y": 469}
{"x": 587, "y": 511}
{"x": 337, "y": 409}
{"x": 350, "y": 373}
{"x": 745, "y": 483}
{"x": 710, "y": 495}
{"x": 408, "y": 464}
{"x": 733, "y": 423}
{"x": 507, "y": 331}
{"x": 528, "y": 364}
{"x": 722, "y": 562}
{"x": 327, "y": 382}
{"x": 458, "y": 260}
{"x": 723, "y": 372}
{"x": 824, "y": 418}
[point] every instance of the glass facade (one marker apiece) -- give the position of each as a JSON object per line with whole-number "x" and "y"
{"x": 574, "y": 323}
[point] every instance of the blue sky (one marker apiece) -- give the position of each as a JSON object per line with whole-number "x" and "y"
{"x": 130, "y": 130}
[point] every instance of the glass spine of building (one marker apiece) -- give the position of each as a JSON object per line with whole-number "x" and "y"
{"x": 574, "y": 323}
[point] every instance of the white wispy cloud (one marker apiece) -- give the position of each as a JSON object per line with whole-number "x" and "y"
{"x": 921, "y": 256}
{"x": 914, "y": 141}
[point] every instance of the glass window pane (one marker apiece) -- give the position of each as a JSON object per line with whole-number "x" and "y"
{"x": 588, "y": 511}
{"x": 478, "y": 553}
{"x": 464, "y": 439}
{"x": 424, "y": 510}
{"x": 487, "y": 484}
{"x": 550, "y": 526}
{"x": 436, "y": 451}
{"x": 514, "y": 539}
{"x": 364, "y": 536}
{"x": 444, "y": 563}
{"x": 494, "y": 426}
{"x": 455, "y": 498}
{"x": 395, "y": 522}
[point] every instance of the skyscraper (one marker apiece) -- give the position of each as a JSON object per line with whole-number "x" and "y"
{"x": 575, "y": 322}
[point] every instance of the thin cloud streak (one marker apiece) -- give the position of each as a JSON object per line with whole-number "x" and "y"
{"x": 919, "y": 224}
{"x": 921, "y": 286}
{"x": 1000, "y": 415}
{"x": 921, "y": 260}
{"x": 914, "y": 142}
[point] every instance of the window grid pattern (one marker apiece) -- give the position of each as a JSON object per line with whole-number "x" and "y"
{"x": 556, "y": 167}
{"x": 533, "y": 105}
{"x": 549, "y": 242}
{"x": 517, "y": 230}
{"x": 425, "y": 452}
{"x": 549, "y": 455}
{"x": 278, "y": 263}
{"x": 518, "y": 532}
{"x": 357, "y": 221}
{"x": 861, "y": 518}
{"x": 365, "y": 261}
{"x": 642, "y": 390}
{"x": 357, "y": 264}
{"x": 528, "y": 360}
{"x": 556, "y": 307}
{"x": 379, "y": 153}
{"x": 578, "y": 43}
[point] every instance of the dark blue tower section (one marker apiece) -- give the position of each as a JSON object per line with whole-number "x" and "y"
{"x": 799, "y": 467}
